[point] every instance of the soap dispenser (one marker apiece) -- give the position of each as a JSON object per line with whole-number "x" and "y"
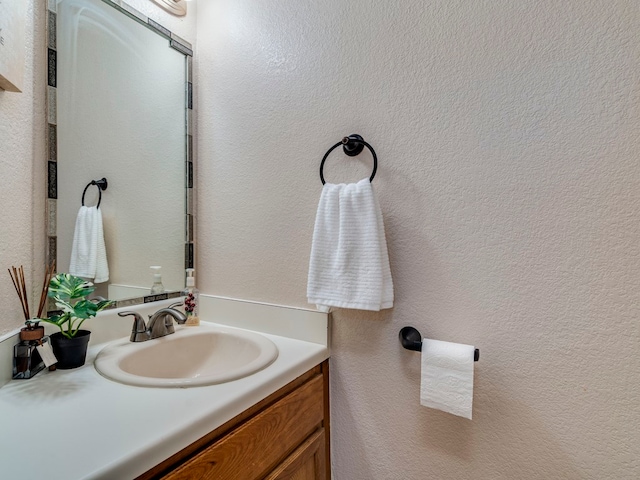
{"x": 157, "y": 286}
{"x": 192, "y": 299}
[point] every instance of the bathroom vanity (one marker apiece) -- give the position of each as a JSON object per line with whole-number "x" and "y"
{"x": 272, "y": 424}
{"x": 284, "y": 436}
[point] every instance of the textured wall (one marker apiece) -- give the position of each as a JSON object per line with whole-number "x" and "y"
{"x": 22, "y": 173}
{"x": 507, "y": 134}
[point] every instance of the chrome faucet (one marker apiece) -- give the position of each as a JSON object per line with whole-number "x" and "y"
{"x": 160, "y": 323}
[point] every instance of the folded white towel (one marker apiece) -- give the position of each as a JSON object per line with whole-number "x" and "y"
{"x": 88, "y": 254}
{"x": 349, "y": 266}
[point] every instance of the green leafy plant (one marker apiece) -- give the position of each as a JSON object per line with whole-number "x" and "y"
{"x": 69, "y": 294}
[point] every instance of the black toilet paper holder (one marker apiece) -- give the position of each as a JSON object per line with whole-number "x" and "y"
{"x": 411, "y": 339}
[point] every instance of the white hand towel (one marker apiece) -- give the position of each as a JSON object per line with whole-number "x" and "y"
{"x": 447, "y": 377}
{"x": 88, "y": 254}
{"x": 349, "y": 265}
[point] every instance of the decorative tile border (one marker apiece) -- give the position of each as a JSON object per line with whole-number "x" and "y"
{"x": 52, "y": 137}
{"x": 190, "y": 200}
{"x": 51, "y": 217}
{"x": 190, "y": 233}
{"x": 52, "y": 248}
{"x": 52, "y": 105}
{"x": 128, "y": 302}
{"x": 51, "y": 32}
{"x": 52, "y": 180}
{"x": 181, "y": 47}
{"x": 176, "y": 43}
{"x": 159, "y": 28}
{"x": 132, "y": 12}
{"x": 190, "y": 149}
{"x": 188, "y": 255}
{"x": 190, "y": 214}
{"x": 53, "y": 142}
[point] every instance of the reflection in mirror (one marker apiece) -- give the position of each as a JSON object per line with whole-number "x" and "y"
{"x": 123, "y": 96}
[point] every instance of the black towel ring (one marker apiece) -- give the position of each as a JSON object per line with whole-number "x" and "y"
{"x": 101, "y": 184}
{"x": 352, "y": 146}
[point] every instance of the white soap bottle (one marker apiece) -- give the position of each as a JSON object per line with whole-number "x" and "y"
{"x": 157, "y": 286}
{"x": 192, "y": 299}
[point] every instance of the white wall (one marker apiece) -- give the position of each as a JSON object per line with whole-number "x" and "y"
{"x": 507, "y": 135}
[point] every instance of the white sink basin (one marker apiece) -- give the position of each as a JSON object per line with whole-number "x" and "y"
{"x": 193, "y": 356}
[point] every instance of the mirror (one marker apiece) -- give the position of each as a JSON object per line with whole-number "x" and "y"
{"x": 119, "y": 108}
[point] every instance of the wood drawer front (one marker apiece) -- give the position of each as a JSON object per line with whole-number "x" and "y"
{"x": 306, "y": 463}
{"x": 257, "y": 446}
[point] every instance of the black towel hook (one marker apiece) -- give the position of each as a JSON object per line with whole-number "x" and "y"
{"x": 352, "y": 146}
{"x": 101, "y": 184}
{"x": 411, "y": 339}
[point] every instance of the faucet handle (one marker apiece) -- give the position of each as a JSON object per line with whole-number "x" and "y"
{"x": 175, "y": 305}
{"x": 139, "y": 331}
{"x": 138, "y": 317}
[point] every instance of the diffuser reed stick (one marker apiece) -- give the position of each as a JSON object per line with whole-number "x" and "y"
{"x": 23, "y": 284}
{"x": 45, "y": 287}
{"x": 20, "y": 284}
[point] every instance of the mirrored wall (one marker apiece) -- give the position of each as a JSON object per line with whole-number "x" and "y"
{"x": 120, "y": 108}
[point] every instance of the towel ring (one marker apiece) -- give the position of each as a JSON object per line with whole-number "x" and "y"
{"x": 352, "y": 146}
{"x": 101, "y": 184}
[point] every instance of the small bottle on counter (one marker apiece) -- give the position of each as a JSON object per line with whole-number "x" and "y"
{"x": 191, "y": 300}
{"x": 157, "y": 286}
{"x": 27, "y": 361}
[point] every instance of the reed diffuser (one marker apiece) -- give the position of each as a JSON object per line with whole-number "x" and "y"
{"x": 19, "y": 283}
{"x": 27, "y": 360}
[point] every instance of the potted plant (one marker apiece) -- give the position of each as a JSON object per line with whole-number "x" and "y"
{"x": 70, "y": 343}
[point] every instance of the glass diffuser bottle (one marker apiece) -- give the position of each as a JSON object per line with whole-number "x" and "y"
{"x": 192, "y": 299}
{"x": 27, "y": 361}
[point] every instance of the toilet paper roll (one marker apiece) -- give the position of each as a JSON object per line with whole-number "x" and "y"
{"x": 447, "y": 377}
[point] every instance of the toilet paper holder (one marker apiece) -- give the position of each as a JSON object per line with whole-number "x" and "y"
{"x": 411, "y": 339}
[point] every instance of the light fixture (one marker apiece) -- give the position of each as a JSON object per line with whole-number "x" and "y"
{"x": 175, "y": 7}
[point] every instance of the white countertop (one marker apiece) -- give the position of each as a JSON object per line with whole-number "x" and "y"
{"x": 76, "y": 424}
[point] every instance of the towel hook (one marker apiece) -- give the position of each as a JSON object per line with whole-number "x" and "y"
{"x": 352, "y": 146}
{"x": 101, "y": 184}
{"x": 411, "y": 339}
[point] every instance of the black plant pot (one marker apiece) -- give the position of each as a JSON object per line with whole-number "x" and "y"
{"x": 70, "y": 352}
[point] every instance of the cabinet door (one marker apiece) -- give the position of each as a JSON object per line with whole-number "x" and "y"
{"x": 305, "y": 463}
{"x": 253, "y": 449}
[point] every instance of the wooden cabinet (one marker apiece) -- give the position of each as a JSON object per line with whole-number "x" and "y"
{"x": 283, "y": 437}
{"x": 306, "y": 463}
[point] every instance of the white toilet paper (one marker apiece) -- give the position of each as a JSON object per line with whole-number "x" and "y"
{"x": 447, "y": 377}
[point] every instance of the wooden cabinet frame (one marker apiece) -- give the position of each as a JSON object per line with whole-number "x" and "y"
{"x": 246, "y": 448}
